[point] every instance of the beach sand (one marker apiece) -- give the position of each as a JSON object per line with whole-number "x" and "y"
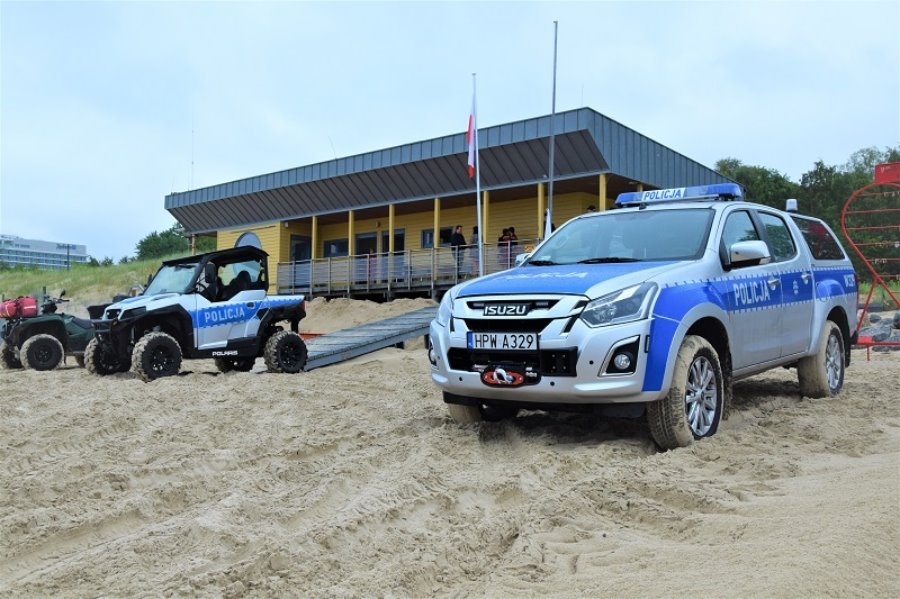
{"x": 352, "y": 481}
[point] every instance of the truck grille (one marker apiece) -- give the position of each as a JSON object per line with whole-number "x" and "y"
{"x": 508, "y": 325}
{"x": 112, "y": 314}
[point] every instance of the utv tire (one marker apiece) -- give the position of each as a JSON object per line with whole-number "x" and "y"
{"x": 8, "y": 359}
{"x": 100, "y": 359}
{"x": 693, "y": 408}
{"x": 237, "y": 364}
{"x": 822, "y": 375}
{"x": 285, "y": 352}
{"x": 41, "y": 352}
{"x": 156, "y": 355}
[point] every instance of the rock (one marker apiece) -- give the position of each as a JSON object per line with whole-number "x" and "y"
{"x": 873, "y": 318}
{"x": 877, "y": 333}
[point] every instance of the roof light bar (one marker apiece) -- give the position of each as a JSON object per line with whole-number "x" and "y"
{"x": 723, "y": 191}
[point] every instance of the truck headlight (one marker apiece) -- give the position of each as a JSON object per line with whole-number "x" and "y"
{"x": 445, "y": 310}
{"x": 625, "y": 305}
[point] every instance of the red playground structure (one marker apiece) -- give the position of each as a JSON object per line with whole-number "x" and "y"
{"x": 870, "y": 221}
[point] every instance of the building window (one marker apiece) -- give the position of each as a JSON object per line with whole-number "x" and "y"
{"x": 428, "y": 237}
{"x": 248, "y": 239}
{"x": 336, "y": 247}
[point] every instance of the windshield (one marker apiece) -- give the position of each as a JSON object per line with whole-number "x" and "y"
{"x": 172, "y": 279}
{"x": 632, "y": 236}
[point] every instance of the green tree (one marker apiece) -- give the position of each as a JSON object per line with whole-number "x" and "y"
{"x": 172, "y": 241}
{"x": 763, "y": 185}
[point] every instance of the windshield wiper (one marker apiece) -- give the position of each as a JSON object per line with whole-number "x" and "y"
{"x": 607, "y": 260}
{"x": 542, "y": 263}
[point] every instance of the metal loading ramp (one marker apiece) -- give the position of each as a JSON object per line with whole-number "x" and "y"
{"x": 345, "y": 344}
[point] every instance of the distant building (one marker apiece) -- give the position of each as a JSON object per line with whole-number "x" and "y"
{"x": 34, "y": 253}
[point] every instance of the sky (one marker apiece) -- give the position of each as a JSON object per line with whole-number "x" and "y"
{"x": 107, "y": 107}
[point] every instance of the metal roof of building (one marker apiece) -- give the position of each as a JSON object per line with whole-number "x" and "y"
{"x": 511, "y": 155}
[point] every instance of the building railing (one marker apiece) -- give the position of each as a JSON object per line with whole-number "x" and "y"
{"x": 410, "y": 271}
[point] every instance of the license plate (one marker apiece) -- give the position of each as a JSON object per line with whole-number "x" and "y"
{"x": 502, "y": 341}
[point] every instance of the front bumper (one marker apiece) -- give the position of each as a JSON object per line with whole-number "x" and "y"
{"x": 572, "y": 367}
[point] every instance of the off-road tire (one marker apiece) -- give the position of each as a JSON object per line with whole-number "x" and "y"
{"x": 156, "y": 355}
{"x": 100, "y": 360}
{"x": 8, "y": 359}
{"x": 694, "y": 405}
{"x": 497, "y": 413}
{"x": 41, "y": 352}
{"x": 464, "y": 414}
{"x": 235, "y": 364}
{"x": 285, "y": 352}
{"x": 822, "y": 374}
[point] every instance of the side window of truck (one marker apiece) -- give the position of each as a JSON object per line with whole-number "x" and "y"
{"x": 738, "y": 227}
{"x": 780, "y": 240}
{"x": 822, "y": 245}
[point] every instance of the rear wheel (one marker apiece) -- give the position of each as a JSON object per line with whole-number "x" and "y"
{"x": 693, "y": 408}
{"x": 822, "y": 375}
{"x": 8, "y": 359}
{"x": 156, "y": 355}
{"x": 238, "y": 364}
{"x": 285, "y": 352}
{"x": 41, "y": 352}
{"x": 100, "y": 359}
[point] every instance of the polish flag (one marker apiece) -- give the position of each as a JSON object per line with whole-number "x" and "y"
{"x": 471, "y": 140}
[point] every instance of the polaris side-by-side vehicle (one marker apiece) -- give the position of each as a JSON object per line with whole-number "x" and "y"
{"x": 211, "y": 305}
{"x": 41, "y": 341}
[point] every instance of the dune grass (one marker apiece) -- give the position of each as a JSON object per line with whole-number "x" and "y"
{"x": 80, "y": 281}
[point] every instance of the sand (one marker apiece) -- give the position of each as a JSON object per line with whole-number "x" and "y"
{"x": 351, "y": 481}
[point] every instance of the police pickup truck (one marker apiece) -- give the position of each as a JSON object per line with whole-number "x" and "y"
{"x": 656, "y": 307}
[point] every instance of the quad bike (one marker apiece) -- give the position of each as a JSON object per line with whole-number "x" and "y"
{"x": 41, "y": 341}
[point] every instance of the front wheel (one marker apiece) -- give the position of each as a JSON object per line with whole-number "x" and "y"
{"x": 41, "y": 352}
{"x": 285, "y": 352}
{"x": 100, "y": 359}
{"x": 156, "y": 355}
{"x": 822, "y": 374}
{"x": 8, "y": 359}
{"x": 693, "y": 407}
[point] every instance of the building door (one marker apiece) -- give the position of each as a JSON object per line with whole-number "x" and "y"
{"x": 399, "y": 240}
{"x": 301, "y": 248}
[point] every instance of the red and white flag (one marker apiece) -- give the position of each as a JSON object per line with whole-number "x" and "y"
{"x": 472, "y": 140}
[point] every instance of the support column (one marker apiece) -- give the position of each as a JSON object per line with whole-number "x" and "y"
{"x": 601, "y": 195}
{"x": 640, "y": 187}
{"x": 314, "y": 235}
{"x": 390, "y": 229}
{"x": 436, "y": 237}
{"x": 485, "y": 210}
{"x": 351, "y": 233}
{"x": 541, "y": 209}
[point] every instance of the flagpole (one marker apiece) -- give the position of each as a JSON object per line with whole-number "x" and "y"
{"x": 548, "y": 226}
{"x": 477, "y": 183}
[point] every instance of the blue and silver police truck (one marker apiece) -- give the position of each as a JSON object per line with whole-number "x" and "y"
{"x": 653, "y": 308}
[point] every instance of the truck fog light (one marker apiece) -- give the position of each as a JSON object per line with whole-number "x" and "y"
{"x": 622, "y": 361}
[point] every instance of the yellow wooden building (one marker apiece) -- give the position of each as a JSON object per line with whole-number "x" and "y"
{"x": 420, "y": 191}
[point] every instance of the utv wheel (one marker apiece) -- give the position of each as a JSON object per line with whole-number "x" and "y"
{"x": 156, "y": 355}
{"x": 100, "y": 359}
{"x": 41, "y": 352}
{"x": 693, "y": 407}
{"x": 822, "y": 375}
{"x": 237, "y": 364}
{"x": 285, "y": 352}
{"x": 8, "y": 359}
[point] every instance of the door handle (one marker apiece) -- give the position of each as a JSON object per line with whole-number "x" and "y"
{"x": 773, "y": 283}
{"x": 806, "y": 277}
{"x": 249, "y": 304}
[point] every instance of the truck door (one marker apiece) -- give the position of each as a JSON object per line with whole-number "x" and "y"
{"x": 796, "y": 284}
{"x": 754, "y": 299}
{"x": 231, "y": 315}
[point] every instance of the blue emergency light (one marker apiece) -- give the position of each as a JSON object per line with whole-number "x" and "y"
{"x": 724, "y": 191}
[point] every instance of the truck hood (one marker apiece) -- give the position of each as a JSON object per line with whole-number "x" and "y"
{"x": 140, "y": 301}
{"x": 591, "y": 280}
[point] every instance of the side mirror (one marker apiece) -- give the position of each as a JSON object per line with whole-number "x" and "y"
{"x": 749, "y": 253}
{"x": 521, "y": 258}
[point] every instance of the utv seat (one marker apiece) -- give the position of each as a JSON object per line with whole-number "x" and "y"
{"x": 240, "y": 283}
